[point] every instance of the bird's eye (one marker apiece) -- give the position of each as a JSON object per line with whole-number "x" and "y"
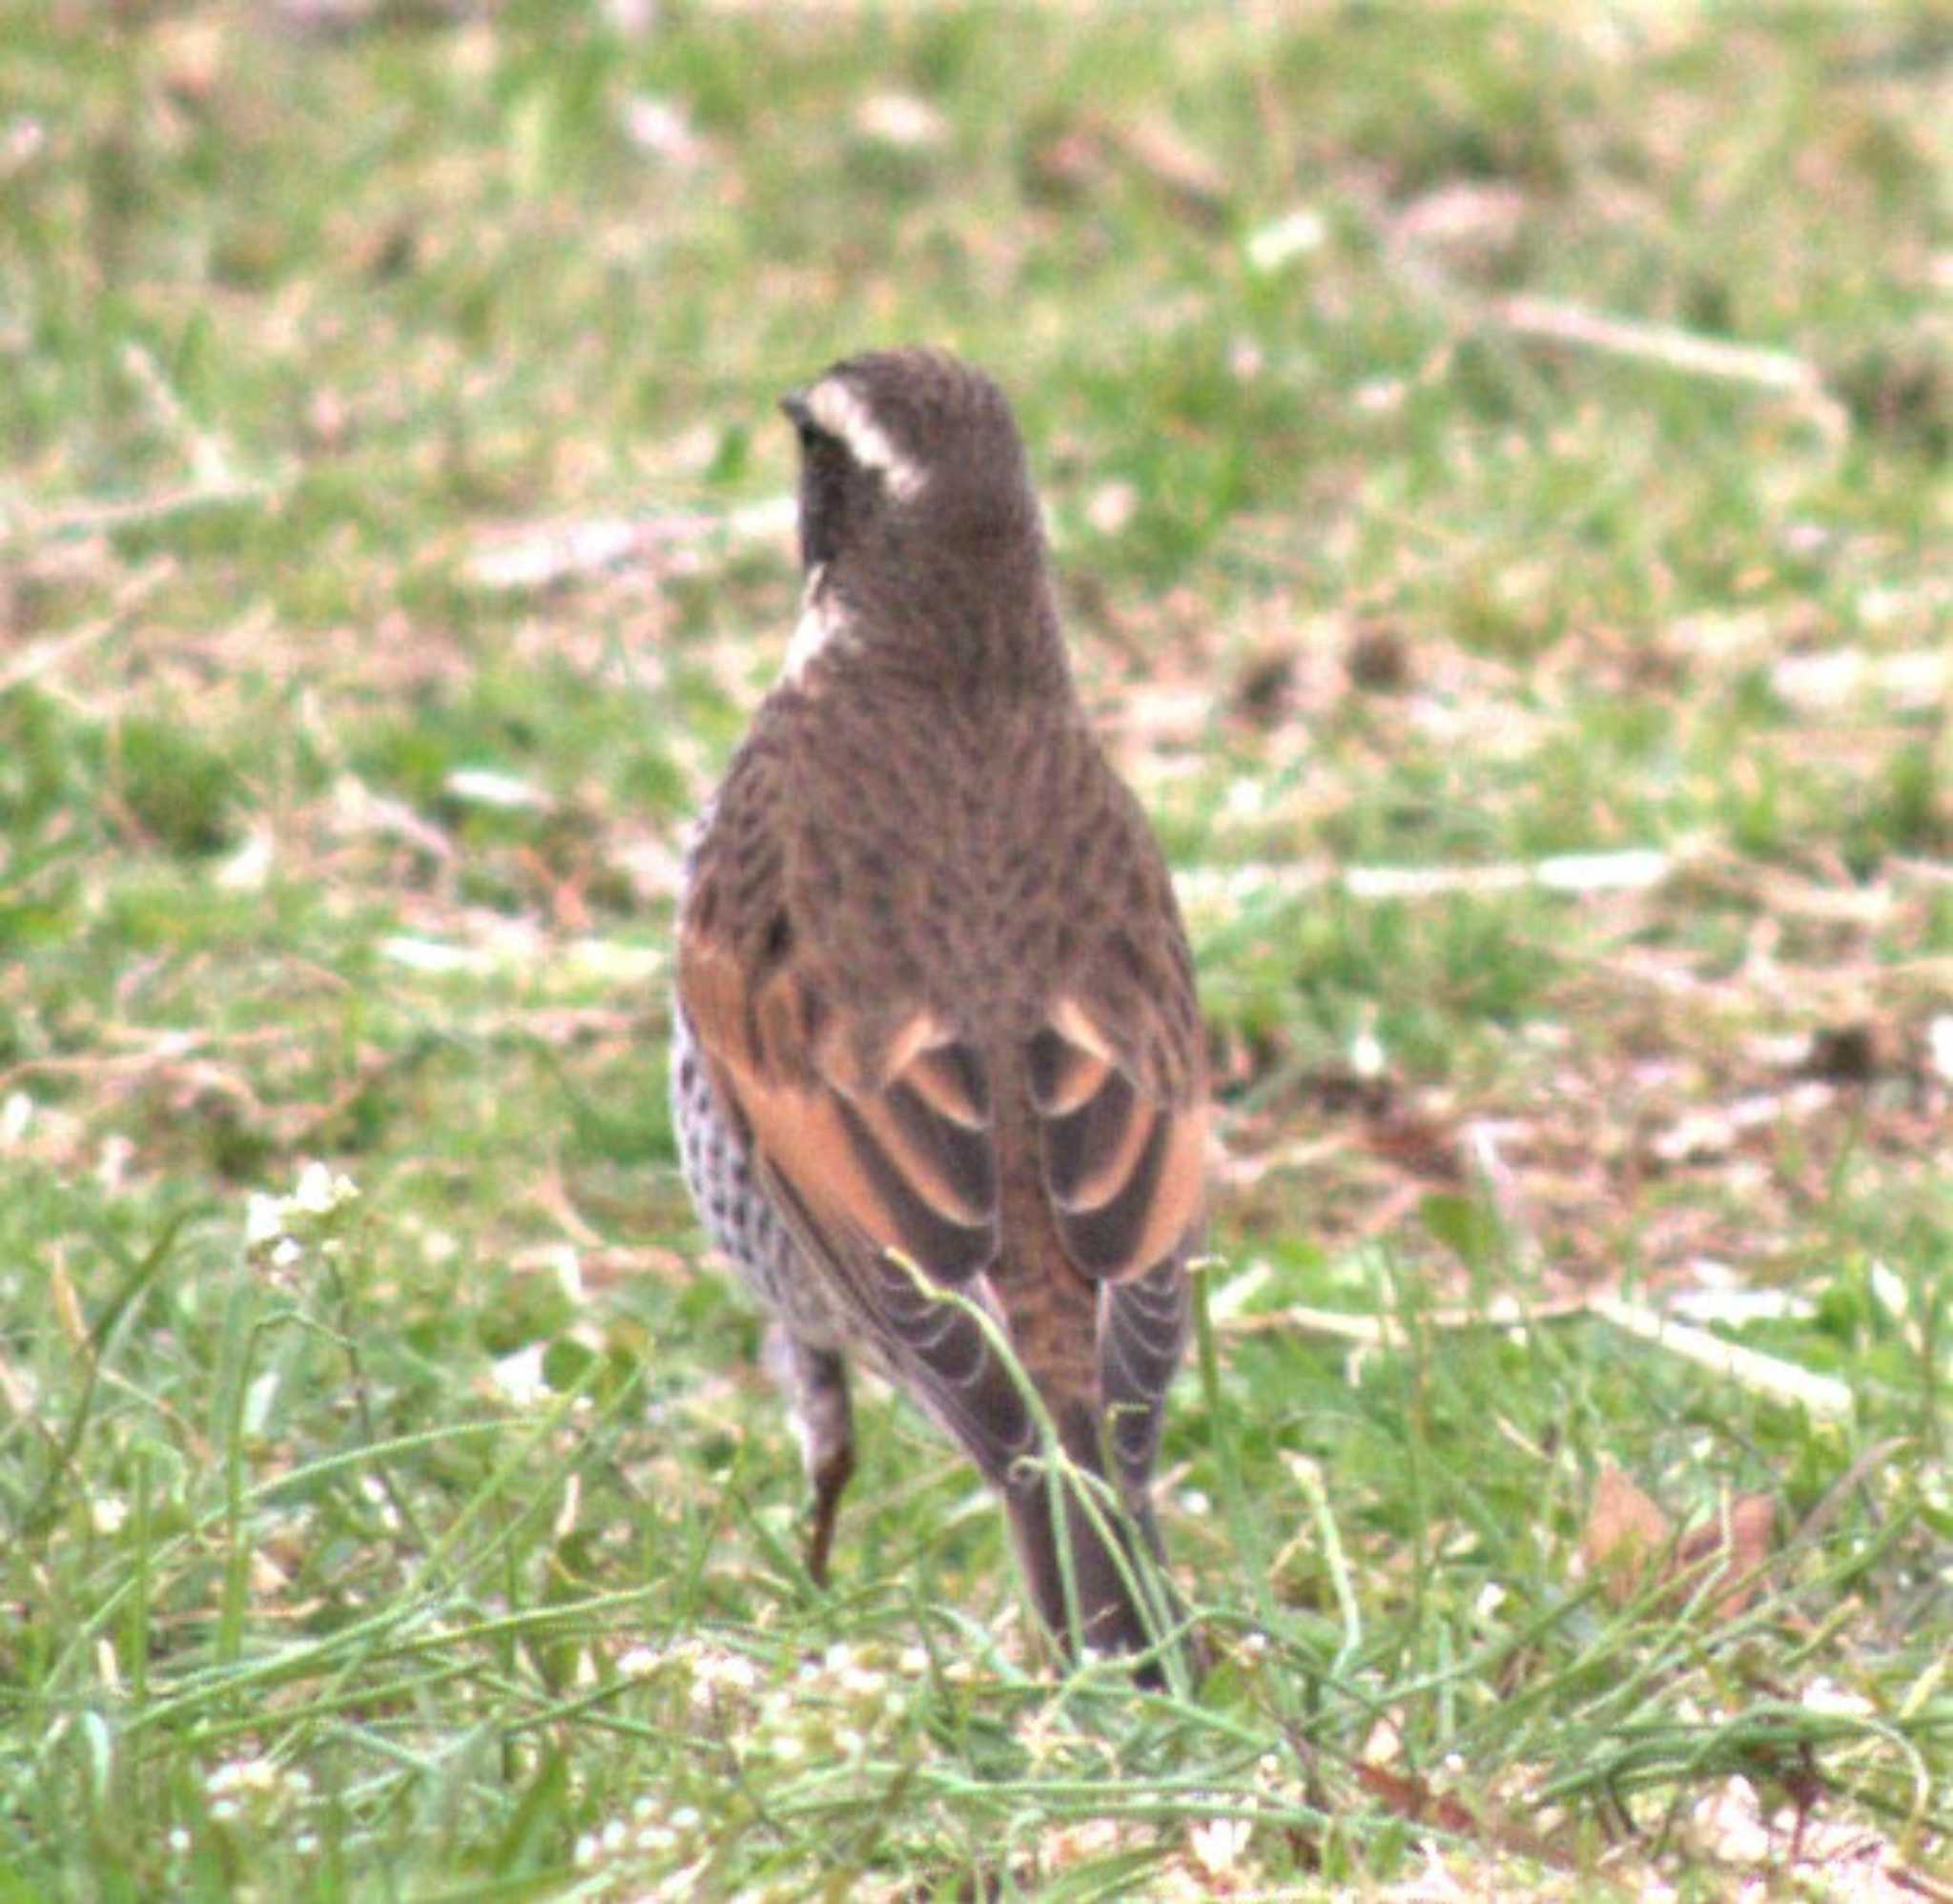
{"x": 794, "y": 407}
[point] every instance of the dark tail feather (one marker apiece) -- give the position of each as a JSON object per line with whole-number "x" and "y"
{"x": 1110, "y": 1617}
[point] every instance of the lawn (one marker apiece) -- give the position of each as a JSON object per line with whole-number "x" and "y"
{"x": 1497, "y": 464}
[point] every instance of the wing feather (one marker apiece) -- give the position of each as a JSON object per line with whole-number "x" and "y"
{"x": 1122, "y": 1155}
{"x": 865, "y": 1155}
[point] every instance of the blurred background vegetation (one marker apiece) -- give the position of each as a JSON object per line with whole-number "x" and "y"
{"x": 1497, "y": 463}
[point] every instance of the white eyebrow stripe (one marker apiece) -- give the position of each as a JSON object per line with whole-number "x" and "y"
{"x": 843, "y": 415}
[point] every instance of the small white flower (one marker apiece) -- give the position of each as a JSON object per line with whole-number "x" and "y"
{"x": 1826, "y": 1696}
{"x": 661, "y": 128}
{"x": 1216, "y": 1844}
{"x": 1939, "y": 1045}
{"x": 520, "y": 1376}
{"x": 727, "y": 1673}
{"x": 502, "y": 793}
{"x": 1112, "y": 507}
{"x": 902, "y": 120}
{"x": 1292, "y": 237}
{"x": 16, "y": 1114}
{"x": 264, "y": 1218}
{"x": 314, "y": 1191}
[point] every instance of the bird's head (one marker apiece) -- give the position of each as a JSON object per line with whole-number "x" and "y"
{"x": 909, "y": 455}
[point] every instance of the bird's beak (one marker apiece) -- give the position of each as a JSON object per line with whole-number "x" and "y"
{"x": 794, "y": 407}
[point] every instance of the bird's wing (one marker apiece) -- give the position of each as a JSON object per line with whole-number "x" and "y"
{"x": 1122, "y": 1148}
{"x": 1123, "y": 1152}
{"x": 879, "y": 1148}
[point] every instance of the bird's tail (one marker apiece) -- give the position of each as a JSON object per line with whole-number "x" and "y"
{"x": 1119, "y": 1598}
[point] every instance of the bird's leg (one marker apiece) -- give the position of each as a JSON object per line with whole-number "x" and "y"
{"x": 829, "y": 1478}
{"x": 815, "y": 1382}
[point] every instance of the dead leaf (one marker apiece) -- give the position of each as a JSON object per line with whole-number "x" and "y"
{"x": 1733, "y": 1546}
{"x": 1844, "y": 1053}
{"x": 1378, "y": 658}
{"x": 1413, "y": 1800}
{"x": 1067, "y": 165}
{"x": 1159, "y": 150}
{"x": 1625, "y": 1531}
{"x": 1263, "y": 690}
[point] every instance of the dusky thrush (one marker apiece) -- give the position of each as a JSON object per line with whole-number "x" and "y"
{"x": 938, "y": 1067}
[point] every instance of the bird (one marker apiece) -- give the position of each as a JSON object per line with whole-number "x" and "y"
{"x": 938, "y": 1071}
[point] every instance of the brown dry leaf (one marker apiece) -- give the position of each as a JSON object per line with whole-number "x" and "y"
{"x": 1378, "y": 658}
{"x": 1263, "y": 688}
{"x": 1191, "y": 180}
{"x": 1071, "y": 162}
{"x": 1413, "y": 1800}
{"x": 1849, "y": 1053}
{"x": 1627, "y": 1531}
{"x": 1624, "y": 1530}
{"x": 1730, "y": 1548}
{"x": 1422, "y": 1146}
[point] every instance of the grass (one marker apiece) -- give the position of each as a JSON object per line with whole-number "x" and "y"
{"x": 439, "y": 1539}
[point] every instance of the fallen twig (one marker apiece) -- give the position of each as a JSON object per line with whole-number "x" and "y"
{"x": 1630, "y": 870}
{"x": 1748, "y": 1368}
{"x": 1762, "y": 1374}
{"x": 1386, "y": 1332}
{"x": 534, "y": 556}
{"x": 138, "y": 511}
{"x": 209, "y": 460}
{"x": 1686, "y": 351}
{"x": 38, "y": 658}
{"x": 217, "y": 480}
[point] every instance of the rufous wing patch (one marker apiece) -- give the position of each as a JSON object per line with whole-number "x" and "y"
{"x": 888, "y": 1150}
{"x": 1124, "y": 1166}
